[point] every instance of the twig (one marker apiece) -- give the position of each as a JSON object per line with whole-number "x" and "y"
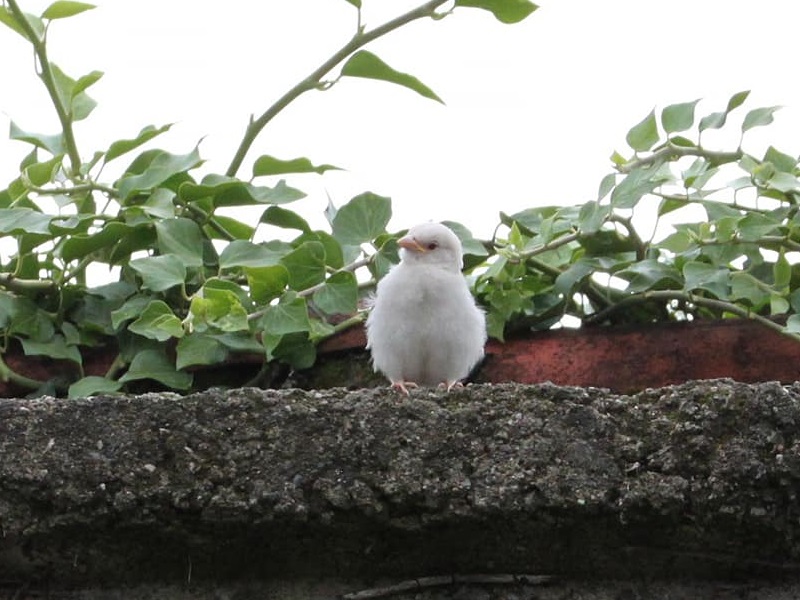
{"x": 15, "y": 284}
{"x": 210, "y": 221}
{"x": 353, "y": 266}
{"x": 312, "y": 81}
{"x": 431, "y": 582}
{"x": 689, "y": 298}
{"x": 89, "y": 186}
{"x": 357, "y": 264}
{"x": 627, "y": 223}
{"x": 551, "y": 245}
{"x": 670, "y": 150}
{"x": 47, "y": 77}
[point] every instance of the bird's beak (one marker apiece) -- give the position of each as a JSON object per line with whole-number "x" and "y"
{"x": 409, "y": 243}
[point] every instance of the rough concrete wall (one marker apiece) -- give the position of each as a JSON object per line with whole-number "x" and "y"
{"x": 689, "y": 485}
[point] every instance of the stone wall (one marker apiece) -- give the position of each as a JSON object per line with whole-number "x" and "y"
{"x": 251, "y": 493}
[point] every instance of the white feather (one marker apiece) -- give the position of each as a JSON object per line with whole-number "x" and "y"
{"x": 424, "y": 327}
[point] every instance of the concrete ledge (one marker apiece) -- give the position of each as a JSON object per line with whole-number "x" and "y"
{"x": 692, "y": 483}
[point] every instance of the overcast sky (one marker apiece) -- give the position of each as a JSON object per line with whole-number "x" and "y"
{"x": 532, "y": 113}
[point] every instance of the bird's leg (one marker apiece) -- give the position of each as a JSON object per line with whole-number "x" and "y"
{"x": 449, "y": 385}
{"x": 402, "y": 386}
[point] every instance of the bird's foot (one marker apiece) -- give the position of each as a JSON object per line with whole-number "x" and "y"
{"x": 449, "y": 385}
{"x": 402, "y": 386}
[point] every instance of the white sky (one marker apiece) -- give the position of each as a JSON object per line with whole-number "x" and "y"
{"x": 533, "y": 110}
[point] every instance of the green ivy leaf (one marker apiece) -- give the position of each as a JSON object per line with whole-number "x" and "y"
{"x": 153, "y": 364}
{"x": 56, "y": 348}
{"x": 120, "y": 147}
{"x": 267, "y": 283}
{"x": 469, "y": 244}
{"x": 339, "y": 295}
{"x": 238, "y": 342}
{"x": 226, "y": 192}
{"x": 199, "y": 349}
{"x": 91, "y": 385}
{"x": 8, "y": 19}
{"x": 296, "y": 349}
{"x": 759, "y": 117}
{"x": 78, "y": 104}
{"x": 793, "y": 324}
{"x": 778, "y": 305}
{"x": 718, "y": 119}
{"x": 678, "y": 117}
{"x": 754, "y": 226}
{"x": 365, "y": 64}
{"x": 362, "y": 219}
{"x": 644, "y": 134}
{"x": 16, "y": 221}
{"x": 703, "y": 276}
{"x": 226, "y": 285}
{"x": 157, "y": 322}
{"x": 219, "y": 308}
{"x": 113, "y": 233}
{"x": 592, "y": 216}
{"x": 745, "y": 287}
{"x": 61, "y": 9}
{"x": 233, "y": 227}
{"x": 305, "y": 265}
{"x": 505, "y": 11}
{"x": 782, "y": 162}
{"x": 160, "y": 273}
{"x": 606, "y": 185}
{"x": 288, "y": 316}
{"x": 634, "y": 186}
{"x": 132, "y": 308}
{"x": 241, "y": 253}
{"x": 21, "y": 317}
{"x": 650, "y": 274}
{"x": 41, "y": 173}
{"x": 266, "y": 165}
{"x": 573, "y": 275}
{"x": 54, "y": 144}
{"x": 183, "y": 238}
{"x": 782, "y": 272}
{"x": 737, "y": 100}
{"x": 287, "y": 219}
{"x": 162, "y": 167}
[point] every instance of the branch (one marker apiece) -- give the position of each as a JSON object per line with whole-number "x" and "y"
{"x": 551, "y": 245}
{"x": 353, "y": 266}
{"x": 210, "y": 221}
{"x": 357, "y": 264}
{"x": 687, "y": 297}
{"x": 641, "y": 246}
{"x": 40, "y": 49}
{"x": 15, "y": 284}
{"x": 312, "y": 81}
{"x": 89, "y": 186}
{"x": 670, "y": 151}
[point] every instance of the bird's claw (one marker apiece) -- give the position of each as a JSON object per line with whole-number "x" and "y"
{"x": 402, "y": 386}
{"x": 449, "y": 385}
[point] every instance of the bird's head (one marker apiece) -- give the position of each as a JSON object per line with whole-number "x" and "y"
{"x": 433, "y": 244}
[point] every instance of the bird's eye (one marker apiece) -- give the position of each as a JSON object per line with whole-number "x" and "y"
{"x": 433, "y": 246}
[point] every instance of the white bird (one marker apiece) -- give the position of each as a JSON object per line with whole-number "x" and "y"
{"x": 424, "y": 328}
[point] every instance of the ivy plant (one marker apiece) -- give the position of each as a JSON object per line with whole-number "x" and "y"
{"x": 679, "y": 230}
{"x": 194, "y": 287}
